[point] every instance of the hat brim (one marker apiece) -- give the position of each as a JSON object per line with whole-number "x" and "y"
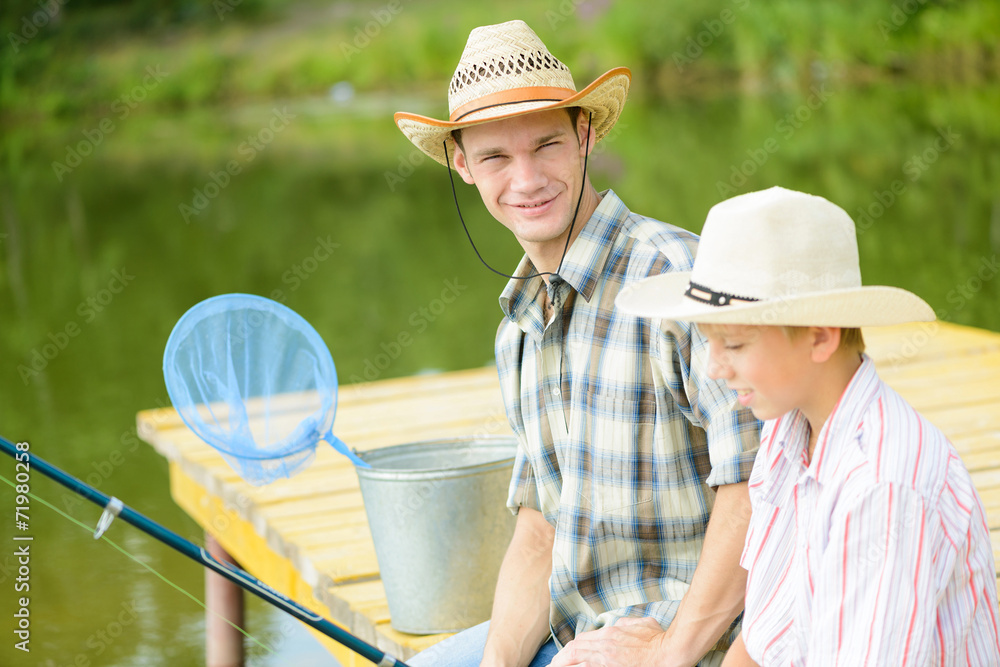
{"x": 605, "y": 98}
{"x": 662, "y": 297}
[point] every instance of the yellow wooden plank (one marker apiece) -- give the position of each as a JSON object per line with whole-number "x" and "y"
{"x": 253, "y": 555}
{"x": 382, "y": 390}
{"x": 977, "y": 442}
{"x": 310, "y": 534}
{"x": 983, "y": 460}
{"x": 965, "y": 420}
{"x": 986, "y": 479}
{"x": 961, "y": 369}
{"x": 995, "y": 539}
{"x": 411, "y": 644}
{"x": 898, "y": 346}
{"x": 160, "y": 420}
{"x": 957, "y": 392}
{"x": 366, "y": 597}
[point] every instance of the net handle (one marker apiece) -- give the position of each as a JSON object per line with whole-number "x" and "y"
{"x": 342, "y": 447}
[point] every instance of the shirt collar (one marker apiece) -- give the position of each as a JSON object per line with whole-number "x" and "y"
{"x": 581, "y": 267}
{"x": 840, "y": 428}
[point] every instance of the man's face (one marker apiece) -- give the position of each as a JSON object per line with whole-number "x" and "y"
{"x": 529, "y": 170}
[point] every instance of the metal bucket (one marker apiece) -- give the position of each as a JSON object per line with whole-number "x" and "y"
{"x": 438, "y": 516}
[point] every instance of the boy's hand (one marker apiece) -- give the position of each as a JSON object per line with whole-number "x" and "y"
{"x": 629, "y": 642}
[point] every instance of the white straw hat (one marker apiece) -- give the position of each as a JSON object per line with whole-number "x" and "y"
{"x": 506, "y": 71}
{"x": 774, "y": 257}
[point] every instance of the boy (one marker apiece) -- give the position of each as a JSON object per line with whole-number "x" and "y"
{"x": 868, "y": 543}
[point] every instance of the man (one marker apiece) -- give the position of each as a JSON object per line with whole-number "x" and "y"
{"x": 626, "y": 447}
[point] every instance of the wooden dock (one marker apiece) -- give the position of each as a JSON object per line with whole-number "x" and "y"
{"x": 308, "y": 537}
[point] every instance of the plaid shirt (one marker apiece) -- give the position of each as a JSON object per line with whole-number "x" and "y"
{"x": 621, "y": 433}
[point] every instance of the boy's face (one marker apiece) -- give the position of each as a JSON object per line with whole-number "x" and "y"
{"x": 769, "y": 370}
{"x": 528, "y": 170}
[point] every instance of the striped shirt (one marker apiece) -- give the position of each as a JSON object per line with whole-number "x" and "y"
{"x": 875, "y": 552}
{"x": 611, "y": 414}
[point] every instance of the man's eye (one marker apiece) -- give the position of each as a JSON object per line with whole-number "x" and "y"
{"x": 732, "y": 347}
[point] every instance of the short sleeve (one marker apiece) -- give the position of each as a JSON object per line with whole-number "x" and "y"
{"x": 523, "y": 487}
{"x": 733, "y": 432}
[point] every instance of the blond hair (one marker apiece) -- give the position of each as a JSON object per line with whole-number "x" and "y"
{"x": 851, "y": 339}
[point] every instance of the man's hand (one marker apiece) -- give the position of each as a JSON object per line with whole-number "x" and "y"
{"x": 627, "y": 643}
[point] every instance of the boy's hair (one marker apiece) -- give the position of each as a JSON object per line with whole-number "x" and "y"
{"x": 850, "y": 338}
{"x": 574, "y": 115}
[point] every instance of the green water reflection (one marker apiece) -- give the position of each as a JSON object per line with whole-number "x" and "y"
{"x": 337, "y": 216}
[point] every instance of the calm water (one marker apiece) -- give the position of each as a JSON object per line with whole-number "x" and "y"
{"x": 338, "y": 216}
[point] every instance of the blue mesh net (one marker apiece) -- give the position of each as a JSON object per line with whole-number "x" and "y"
{"x": 241, "y": 371}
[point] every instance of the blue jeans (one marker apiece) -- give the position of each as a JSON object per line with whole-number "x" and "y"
{"x": 466, "y": 650}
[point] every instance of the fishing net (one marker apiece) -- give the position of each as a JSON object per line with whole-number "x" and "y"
{"x": 241, "y": 371}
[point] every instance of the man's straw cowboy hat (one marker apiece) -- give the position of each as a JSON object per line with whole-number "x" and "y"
{"x": 506, "y": 71}
{"x": 774, "y": 257}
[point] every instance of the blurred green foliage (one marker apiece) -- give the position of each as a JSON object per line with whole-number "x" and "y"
{"x": 87, "y": 53}
{"x": 714, "y": 83}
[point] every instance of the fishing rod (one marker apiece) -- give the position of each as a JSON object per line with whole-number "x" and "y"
{"x": 113, "y": 508}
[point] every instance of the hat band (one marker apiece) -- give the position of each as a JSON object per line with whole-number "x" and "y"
{"x": 711, "y": 297}
{"x": 512, "y": 96}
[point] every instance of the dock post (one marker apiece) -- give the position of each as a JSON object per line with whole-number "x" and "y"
{"x": 223, "y": 600}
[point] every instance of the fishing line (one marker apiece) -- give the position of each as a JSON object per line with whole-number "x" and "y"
{"x": 454, "y": 194}
{"x": 145, "y": 565}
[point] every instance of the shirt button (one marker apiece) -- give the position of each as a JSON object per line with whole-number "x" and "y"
{"x": 555, "y": 391}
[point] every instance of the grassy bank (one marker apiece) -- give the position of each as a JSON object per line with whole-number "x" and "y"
{"x": 63, "y": 58}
